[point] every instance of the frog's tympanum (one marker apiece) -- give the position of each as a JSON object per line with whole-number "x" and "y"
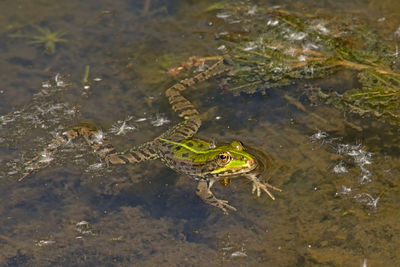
{"x": 179, "y": 150}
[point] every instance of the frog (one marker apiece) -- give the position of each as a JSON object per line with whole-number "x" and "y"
{"x": 178, "y": 148}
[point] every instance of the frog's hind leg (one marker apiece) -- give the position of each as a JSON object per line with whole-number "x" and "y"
{"x": 88, "y": 130}
{"x": 106, "y": 151}
{"x": 184, "y": 108}
{"x": 134, "y": 155}
{"x": 97, "y": 141}
{"x": 180, "y": 104}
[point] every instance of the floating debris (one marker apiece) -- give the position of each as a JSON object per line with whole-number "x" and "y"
{"x": 122, "y": 127}
{"x": 345, "y": 190}
{"x": 353, "y": 157}
{"x": 222, "y": 47}
{"x": 99, "y": 137}
{"x": 42, "y": 243}
{"x": 141, "y": 120}
{"x": 83, "y": 227}
{"x": 95, "y": 167}
{"x": 60, "y": 81}
{"x": 252, "y": 11}
{"x": 238, "y": 254}
{"x": 365, "y": 175}
{"x": 223, "y": 15}
{"x": 360, "y": 158}
{"x": 118, "y": 238}
{"x": 319, "y": 136}
{"x": 250, "y": 46}
{"x": 81, "y": 223}
{"x": 367, "y": 199}
{"x": 340, "y": 168}
{"x": 160, "y": 121}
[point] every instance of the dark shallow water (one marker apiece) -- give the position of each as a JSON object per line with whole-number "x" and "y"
{"x": 340, "y": 173}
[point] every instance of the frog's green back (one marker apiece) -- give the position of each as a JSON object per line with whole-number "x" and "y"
{"x": 190, "y": 149}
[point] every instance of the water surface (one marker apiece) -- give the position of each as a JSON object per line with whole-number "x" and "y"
{"x": 340, "y": 174}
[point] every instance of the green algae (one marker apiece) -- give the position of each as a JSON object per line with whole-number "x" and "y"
{"x": 281, "y": 48}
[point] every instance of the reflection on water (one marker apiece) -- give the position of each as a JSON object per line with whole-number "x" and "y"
{"x": 339, "y": 172}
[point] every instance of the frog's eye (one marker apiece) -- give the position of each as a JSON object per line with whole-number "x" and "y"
{"x": 223, "y": 158}
{"x": 237, "y": 145}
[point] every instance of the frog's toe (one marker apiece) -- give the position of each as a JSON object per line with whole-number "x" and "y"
{"x": 258, "y": 186}
{"x": 264, "y": 188}
{"x": 224, "y": 206}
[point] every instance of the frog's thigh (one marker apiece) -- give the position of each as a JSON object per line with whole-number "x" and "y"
{"x": 203, "y": 190}
{"x": 116, "y": 159}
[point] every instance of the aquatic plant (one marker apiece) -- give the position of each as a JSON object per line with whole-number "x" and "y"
{"x": 46, "y": 38}
{"x": 274, "y": 48}
{"x": 379, "y": 97}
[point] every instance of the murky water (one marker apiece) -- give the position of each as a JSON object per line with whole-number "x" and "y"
{"x": 340, "y": 173}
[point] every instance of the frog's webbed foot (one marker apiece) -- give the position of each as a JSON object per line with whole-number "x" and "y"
{"x": 258, "y": 186}
{"x": 88, "y": 130}
{"x": 45, "y": 157}
{"x": 204, "y": 192}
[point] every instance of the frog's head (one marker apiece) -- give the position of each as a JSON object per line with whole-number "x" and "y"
{"x": 231, "y": 159}
{"x": 201, "y": 158}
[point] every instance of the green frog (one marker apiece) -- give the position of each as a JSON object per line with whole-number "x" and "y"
{"x": 178, "y": 149}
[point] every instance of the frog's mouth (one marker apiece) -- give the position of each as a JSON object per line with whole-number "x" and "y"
{"x": 262, "y": 163}
{"x": 251, "y": 164}
{"x": 248, "y": 167}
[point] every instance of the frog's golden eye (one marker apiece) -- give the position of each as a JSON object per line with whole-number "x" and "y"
{"x": 223, "y": 158}
{"x": 237, "y": 145}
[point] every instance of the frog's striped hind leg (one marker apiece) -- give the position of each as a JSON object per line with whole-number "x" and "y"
{"x": 192, "y": 62}
{"x": 96, "y": 140}
{"x": 42, "y": 160}
{"x": 180, "y": 104}
{"x": 184, "y": 107}
{"x": 86, "y": 130}
{"x": 134, "y": 155}
{"x": 106, "y": 151}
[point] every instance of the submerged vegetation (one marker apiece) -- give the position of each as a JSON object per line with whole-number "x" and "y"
{"x": 274, "y": 47}
{"x": 379, "y": 97}
{"x": 341, "y": 187}
{"x": 46, "y": 38}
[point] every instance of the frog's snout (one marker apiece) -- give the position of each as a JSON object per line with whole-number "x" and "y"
{"x": 250, "y": 162}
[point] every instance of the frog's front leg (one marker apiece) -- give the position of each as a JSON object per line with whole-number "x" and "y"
{"x": 258, "y": 186}
{"x": 204, "y": 192}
